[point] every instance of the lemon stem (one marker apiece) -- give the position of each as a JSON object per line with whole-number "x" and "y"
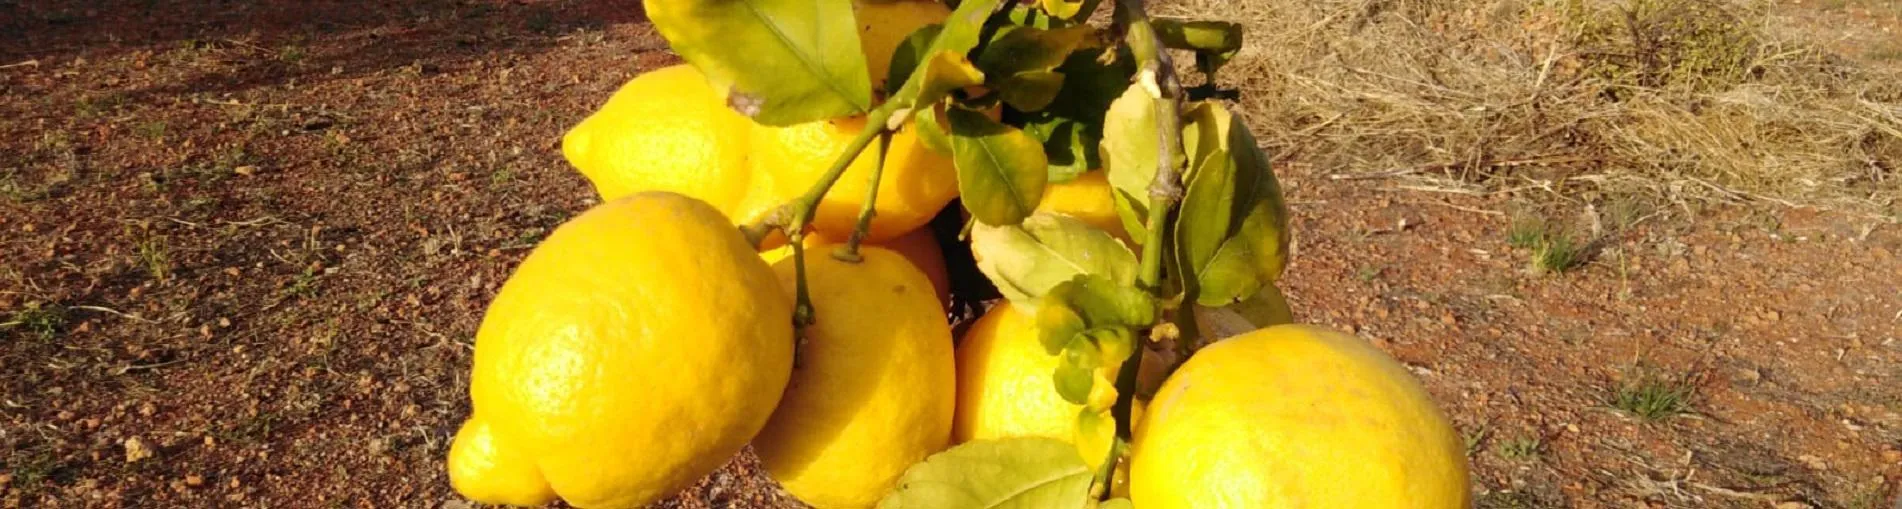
{"x": 850, "y": 251}
{"x": 1157, "y": 75}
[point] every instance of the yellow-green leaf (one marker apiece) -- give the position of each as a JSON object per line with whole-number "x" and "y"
{"x": 1001, "y": 170}
{"x": 1115, "y": 503}
{"x": 1214, "y": 42}
{"x": 1063, "y": 9}
{"x": 781, "y": 62}
{"x": 1011, "y": 473}
{"x": 1131, "y": 147}
{"x": 1027, "y": 260}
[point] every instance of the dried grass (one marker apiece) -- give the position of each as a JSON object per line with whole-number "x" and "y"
{"x": 1685, "y": 99}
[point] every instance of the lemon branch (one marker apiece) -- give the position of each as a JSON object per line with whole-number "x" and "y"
{"x": 793, "y": 216}
{"x": 1156, "y": 75}
{"x": 850, "y": 251}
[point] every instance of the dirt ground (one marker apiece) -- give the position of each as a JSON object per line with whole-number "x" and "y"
{"x": 247, "y": 244}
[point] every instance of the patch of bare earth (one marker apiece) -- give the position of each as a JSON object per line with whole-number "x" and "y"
{"x": 246, "y": 247}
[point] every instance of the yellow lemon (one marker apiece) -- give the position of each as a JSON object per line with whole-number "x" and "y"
{"x": 1087, "y": 197}
{"x": 916, "y": 184}
{"x": 883, "y": 25}
{"x": 635, "y": 350}
{"x": 873, "y": 392}
{"x": 666, "y": 130}
{"x": 1006, "y": 384}
{"x": 1295, "y": 416}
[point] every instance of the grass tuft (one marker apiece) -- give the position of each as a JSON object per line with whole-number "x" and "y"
{"x": 1652, "y": 397}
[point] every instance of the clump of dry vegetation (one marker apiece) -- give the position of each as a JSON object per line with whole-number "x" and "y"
{"x": 1682, "y": 99}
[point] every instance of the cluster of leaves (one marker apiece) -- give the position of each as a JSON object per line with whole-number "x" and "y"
{"x": 1022, "y": 95}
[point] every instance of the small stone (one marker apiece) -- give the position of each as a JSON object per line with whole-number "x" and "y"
{"x": 233, "y": 484}
{"x": 210, "y": 442}
{"x": 1571, "y": 428}
{"x": 147, "y": 409}
{"x": 1815, "y": 463}
{"x": 246, "y": 170}
{"x": 1749, "y": 376}
{"x": 194, "y": 480}
{"x": 135, "y": 450}
{"x": 224, "y": 322}
{"x": 65, "y": 415}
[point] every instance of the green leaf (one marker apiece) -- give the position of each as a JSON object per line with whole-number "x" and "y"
{"x": 1011, "y": 473}
{"x": 1214, "y": 42}
{"x": 1071, "y": 126}
{"x": 1114, "y": 344}
{"x": 931, "y": 129}
{"x": 1095, "y": 435}
{"x": 1001, "y": 170}
{"x": 1231, "y": 231}
{"x": 1057, "y": 325}
{"x": 1026, "y": 49}
{"x": 1065, "y": 145}
{"x": 781, "y": 62}
{"x": 1102, "y": 302}
{"x": 1026, "y": 261}
{"x": 1030, "y": 91}
{"x": 959, "y": 34}
{"x": 906, "y": 57}
{"x": 1075, "y": 380}
{"x": 1266, "y": 308}
{"x": 938, "y": 75}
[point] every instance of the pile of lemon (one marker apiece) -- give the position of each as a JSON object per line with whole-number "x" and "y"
{"x": 645, "y": 342}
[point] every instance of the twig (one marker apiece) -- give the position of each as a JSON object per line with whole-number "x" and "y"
{"x": 132, "y": 317}
{"x": 1459, "y": 207}
{"x": 1736, "y": 494}
{"x": 30, "y": 63}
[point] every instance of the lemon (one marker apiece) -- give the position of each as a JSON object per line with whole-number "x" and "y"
{"x": 1295, "y": 416}
{"x": 874, "y": 390}
{"x": 1006, "y": 384}
{"x": 666, "y": 130}
{"x": 883, "y": 25}
{"x": 917, "y": 182}
{"x": 635, "y": 350}
{"x": 1087, "y": 197}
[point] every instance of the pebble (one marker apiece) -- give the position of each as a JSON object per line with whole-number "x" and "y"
{"x": 147, "y": 409}
{"x": 194, "y": 480}
{"x": 136, "y": 450}
{"x": 1814, "y": 462}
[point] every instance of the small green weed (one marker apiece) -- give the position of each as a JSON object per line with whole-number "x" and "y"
{"x": 38, "y": 320}
{"x": 150, "y": 130}
{"x": 1653, "y": 397}
{"x": 155, "y": 256}
{"x": 1520, "y": 448}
